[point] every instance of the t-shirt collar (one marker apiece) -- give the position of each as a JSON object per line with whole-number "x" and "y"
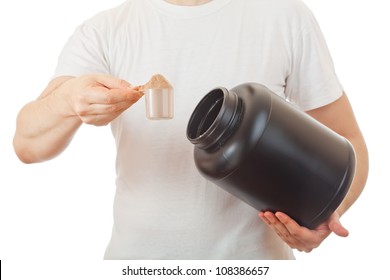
{"x": 189, "y": 11}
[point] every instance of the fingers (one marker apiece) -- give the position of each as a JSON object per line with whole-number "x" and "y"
{"x": 335, "y": 226}
{"x": 296, "y": 236}
{"x": 100, "y": 107}
{"x": 105, "y": 101}
{"x": 99, "y": 119}
{"x": 94, "y": 99}
{"x": 277, "y": 225}
{"x": 111, "y": 82}
{"x": 102, "y": 114}
{"x": 98, "y": 99}
{"x": 338, "y": 229}
{"x": 111, "y": 96}
{"x": 283, "y": 230}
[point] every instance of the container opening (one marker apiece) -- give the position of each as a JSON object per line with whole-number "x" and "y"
{"x": 206, "y": 113}
{"x": 210, "y": 116}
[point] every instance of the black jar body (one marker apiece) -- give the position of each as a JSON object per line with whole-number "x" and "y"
{"x": 266, "y": 152}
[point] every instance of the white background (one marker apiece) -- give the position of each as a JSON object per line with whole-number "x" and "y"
{"x": 55, "y": 217}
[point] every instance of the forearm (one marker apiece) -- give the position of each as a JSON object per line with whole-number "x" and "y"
{"x": 44, "y": 128}
{"x": 361, "y": 173}
{"x": 47, "y": 125}
{"x": 339, "y": 117}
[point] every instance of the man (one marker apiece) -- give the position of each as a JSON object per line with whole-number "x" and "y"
{"x": 163, "y": 208}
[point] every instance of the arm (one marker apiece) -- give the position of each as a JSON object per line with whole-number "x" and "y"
{"x": 46, "y": 126}
{"x": 339, "y": 117}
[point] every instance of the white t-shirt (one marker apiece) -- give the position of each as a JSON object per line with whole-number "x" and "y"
{"x": 163, "y": 208}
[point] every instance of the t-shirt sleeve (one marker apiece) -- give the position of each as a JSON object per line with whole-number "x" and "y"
{"x": 312, "y": 82}
{"x": 85, "y": 52}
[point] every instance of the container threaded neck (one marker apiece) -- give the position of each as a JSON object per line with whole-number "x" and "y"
{"x": 214, "y": 118}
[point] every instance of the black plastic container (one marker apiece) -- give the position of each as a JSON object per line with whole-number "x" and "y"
{"x": 263, "y": 150}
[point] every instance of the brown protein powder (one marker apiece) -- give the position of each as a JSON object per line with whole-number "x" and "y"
{"x": 158, "y": 98}
{"x": 157, "y": 81}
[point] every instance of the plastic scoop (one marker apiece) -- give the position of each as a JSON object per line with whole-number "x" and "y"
{"x": 158, "y": 98}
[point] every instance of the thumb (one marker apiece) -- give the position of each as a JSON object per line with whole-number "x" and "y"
{"x": 336, "y": 226}
{"x": 111, "y": 82}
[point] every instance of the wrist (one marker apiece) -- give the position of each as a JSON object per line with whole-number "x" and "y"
{"x": 60, "y": 101}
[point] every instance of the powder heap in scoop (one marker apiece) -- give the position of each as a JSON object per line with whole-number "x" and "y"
{"x": 157, "y": 81}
